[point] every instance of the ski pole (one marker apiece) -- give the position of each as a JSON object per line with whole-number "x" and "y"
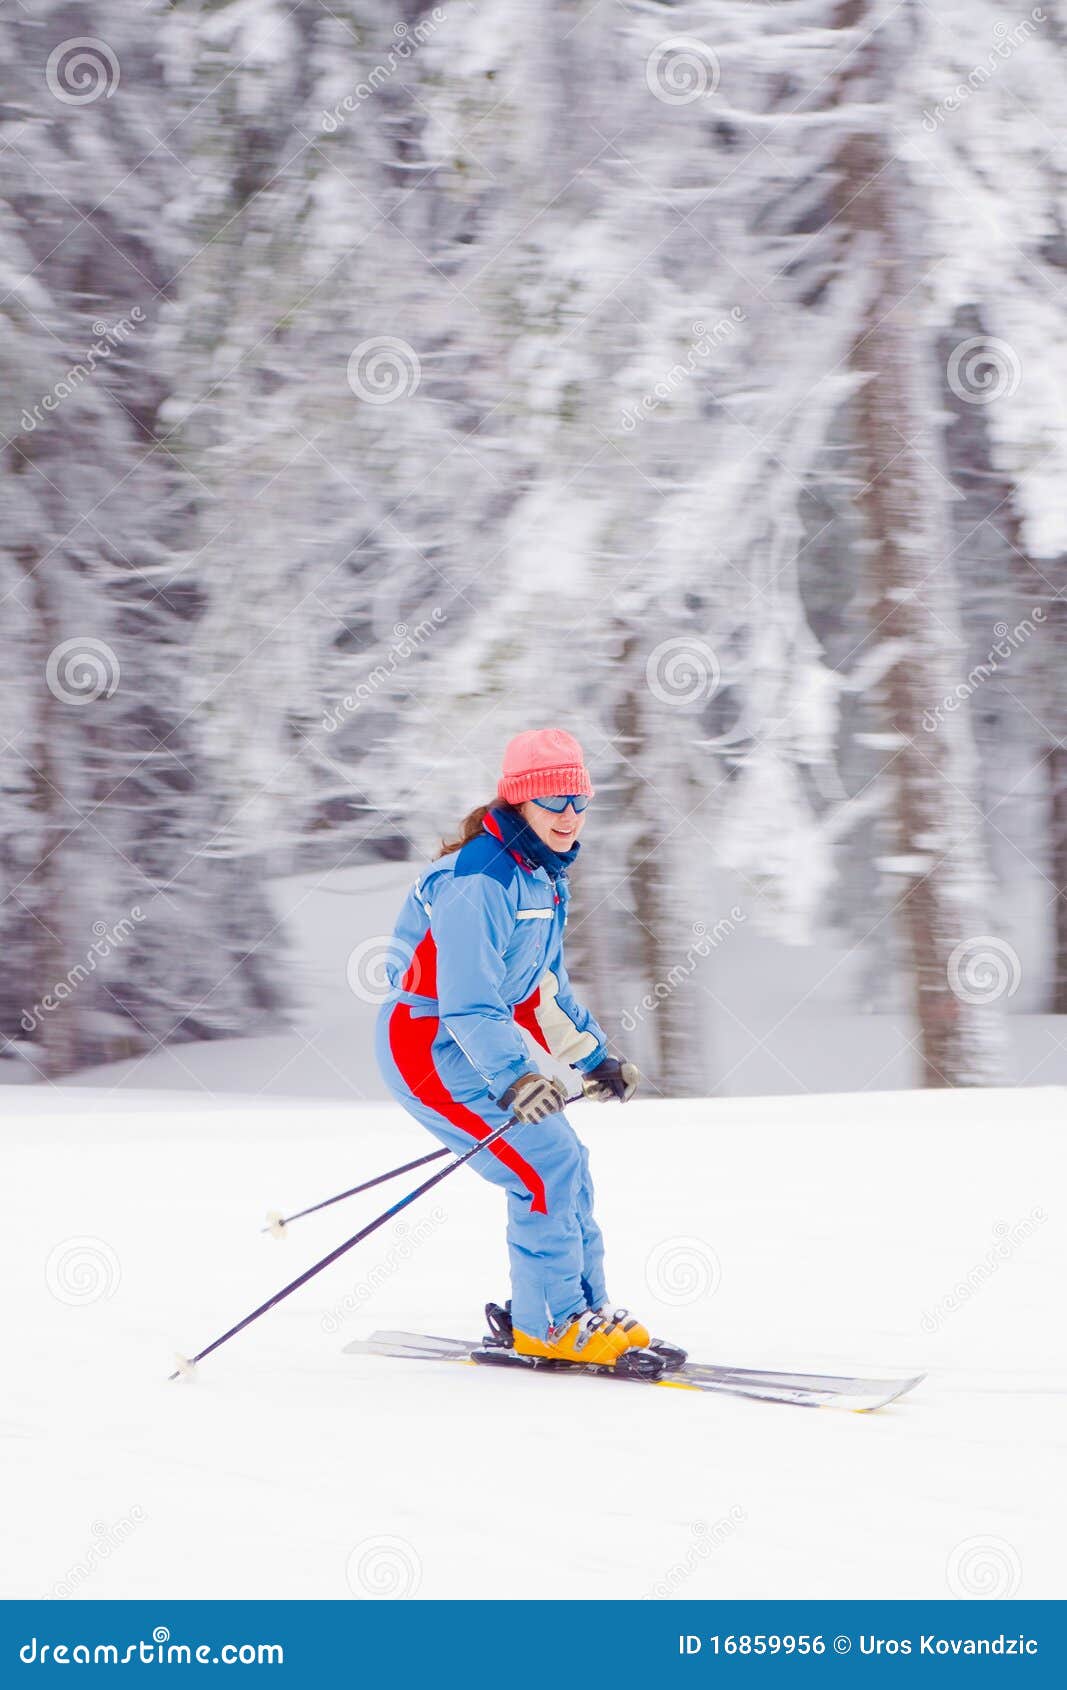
{"x": 186, "y": 1365}
{"x": 277, "y": 1223}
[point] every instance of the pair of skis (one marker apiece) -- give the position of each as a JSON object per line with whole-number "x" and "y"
{"x": 805, "y": 1390}
{"x": 661, "y": 1365}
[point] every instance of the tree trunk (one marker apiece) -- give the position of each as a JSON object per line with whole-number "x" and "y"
{"x": 1056, "y": 763}
{"x": 938, "y": 846}
{"x": 670, "y": 1036}
{"x": 47, "y": 891}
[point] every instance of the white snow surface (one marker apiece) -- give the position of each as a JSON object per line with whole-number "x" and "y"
{"x": 805, "y": 1233}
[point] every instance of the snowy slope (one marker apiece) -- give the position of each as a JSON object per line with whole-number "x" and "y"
{"x": 815, "y": 1232}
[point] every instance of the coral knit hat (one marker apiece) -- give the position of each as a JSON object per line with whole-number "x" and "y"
{"x": 540, "y": 762}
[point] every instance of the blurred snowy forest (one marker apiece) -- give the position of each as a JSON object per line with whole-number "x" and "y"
{"x": 380, "y": 379}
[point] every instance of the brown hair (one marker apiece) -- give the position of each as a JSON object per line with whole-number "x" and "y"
{"x": 471, "y": 826}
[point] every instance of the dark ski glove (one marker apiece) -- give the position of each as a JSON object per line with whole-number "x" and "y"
{"x": 533, "y": 1097}
{"x": 611, "y": 1078}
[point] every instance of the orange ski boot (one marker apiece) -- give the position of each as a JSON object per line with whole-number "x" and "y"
{"x": 585, "y": 1339}
{"x": 637, "y": 1337}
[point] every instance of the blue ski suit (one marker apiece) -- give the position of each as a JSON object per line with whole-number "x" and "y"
{"x": 477, "y": 954}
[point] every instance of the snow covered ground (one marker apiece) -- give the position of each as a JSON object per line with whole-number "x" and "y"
{"x": 884, "y": 1232}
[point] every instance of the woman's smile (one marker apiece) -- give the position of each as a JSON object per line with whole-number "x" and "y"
{"x": 558, "y": 829}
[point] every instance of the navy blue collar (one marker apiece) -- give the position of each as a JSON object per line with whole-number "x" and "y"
{"x": 518, "y": 836}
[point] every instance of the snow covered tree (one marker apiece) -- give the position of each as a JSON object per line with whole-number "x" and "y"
{"x": 506, "y": 364}
{"x": 990, "y": 91}
{"x": 122, "y": 930}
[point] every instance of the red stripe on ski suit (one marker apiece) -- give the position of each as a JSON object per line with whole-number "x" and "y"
{"x": 411, "y": 1043}
{"x": 525, "y": 1014}
{"x": 421, "y": 975}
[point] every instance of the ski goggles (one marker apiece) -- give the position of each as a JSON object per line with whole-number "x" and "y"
{"x": 558, "y": 803}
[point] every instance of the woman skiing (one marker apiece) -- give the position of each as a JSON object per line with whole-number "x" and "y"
{"x": 481, "y": 937}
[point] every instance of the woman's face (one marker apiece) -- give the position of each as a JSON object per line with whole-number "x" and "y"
{"x": 560, "y": 832}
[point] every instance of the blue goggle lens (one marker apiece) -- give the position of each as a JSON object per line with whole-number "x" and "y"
{"x": 559, "y": 803}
